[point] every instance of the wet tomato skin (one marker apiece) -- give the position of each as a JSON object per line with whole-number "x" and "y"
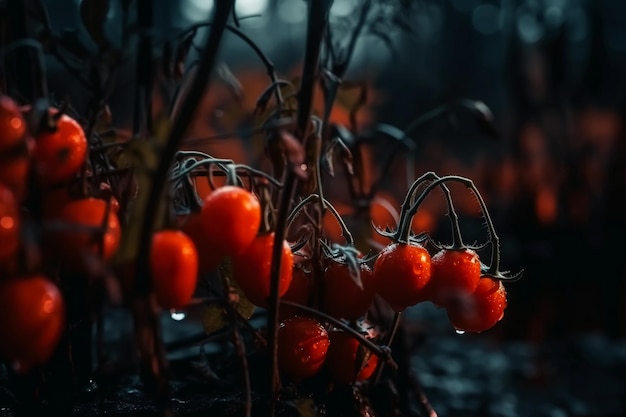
{"x": 342, "y": 297}
{"x": 37, "y": 320}
{"x": 302, "y": 347}
{"x": 252, "y": 269}
{"x": 454, "y": 272}
{"x": 401, "y": 273}
{"x": 72, "y": 240}
{"x": 343, "y": 362}
{"x": 59, "y": 154}
{"x": 12, "y": 124}
{"x": 230, "y": 218}
{"x": 480, "y": 310}
{"x": 174, "y": 268}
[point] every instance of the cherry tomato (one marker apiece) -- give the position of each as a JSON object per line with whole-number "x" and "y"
{"x": 72, "y": 239}
{"x": 301, "y": 287}
{"x": 14, "y": 174}
{"x": 342, "y": 297}
{"x": 174, "y": 268}
{"x": 33, "y": 314}
{"x": 454, "y": 273}
{"x": 251, "y": 269}
{"x": 401, "y": 273}
{"x": 208, "y": 257}
{"x": 9, "y": 225}
{"x": 482, "y": 309}
{"x": 347, "y": 361}
{"x": 12, "y": 124}
{"x": 60, "y": 154}
{"x": 302, "y": 346}
{"x": 231, "y": 217}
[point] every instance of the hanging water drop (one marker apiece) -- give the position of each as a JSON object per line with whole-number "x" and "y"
{"x": 460, "y": 331}
{"x": 177, "y": 315}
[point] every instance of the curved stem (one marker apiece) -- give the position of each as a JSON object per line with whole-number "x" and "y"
{"x": 312, "y": 198}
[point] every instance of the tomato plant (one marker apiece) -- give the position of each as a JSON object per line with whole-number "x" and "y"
{"x": 230, "y": 217}
{"x": 302, "y": 347}
{"x": 34, "y": 320}
{"x": 480, "y": 310}
{"x": 347, "y": 360}
{"x": 251, "y": 269}
{"x": 59, "y": 154}
{"x": 401, "y": 273}
{"x": 454, "y": 272}
{"x": 174, "y": 268}
{"x": 80, "y": 228}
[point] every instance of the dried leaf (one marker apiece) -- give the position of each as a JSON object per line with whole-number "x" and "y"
{"x": 306, "y": 407}
{"x": 181, "y": 55}
{"x": 93, "y": 14}
{"x": 213, "y": 318}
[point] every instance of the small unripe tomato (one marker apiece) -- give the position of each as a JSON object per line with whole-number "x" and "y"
{"x": 454, "y": 272}
{"x": 33, "y": 314}
{"x": 480, "y": 310}
{"x": 252, "y": 269}
{"x": 302, "y": 346}
{"x": 174, "y": 268}
{"x": 342, "y": 297}
{"x": 9, "y": 224}
{"x": 347, "y": 360}
{"x": 401, "y": 273}
{"x": 230, "y": 218}
{"x": 71, "y": 239}
{"x": 60, "y": 154}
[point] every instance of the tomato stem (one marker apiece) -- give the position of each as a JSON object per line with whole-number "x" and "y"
{"x": 311, "y": 198}
{"x": 395, "y": 325}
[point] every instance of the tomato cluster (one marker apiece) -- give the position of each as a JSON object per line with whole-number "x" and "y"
{"x": 306, "y": 347}
{"x": 406, "y": 275}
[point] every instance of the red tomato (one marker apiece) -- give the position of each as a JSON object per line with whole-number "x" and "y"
{"x": 230, "y": 217}
{"x": 342, "y": 297}
{"x": 251, "y": 269}
{"x": 401, "y": 273}
{"x": 208, "y": 257}
{"x": 14, "y": 174}
{"x": 347, "y": 361}
{"x": 72, "y": 240}
{"x": 302, "y": 347}
{"x": 60, "y": 154}
{"x": 34, "y": 317}
{"x": 174, "y": 268}
{"x": 454, "y": 273}
{"x": 9, "y": 225}
{"x": 300, "y": 289}
{"x": 12, "y": 124}
{"x": 482, "y": 309}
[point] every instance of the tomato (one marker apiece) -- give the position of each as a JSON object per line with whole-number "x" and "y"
{"x": 72, "y": 239}
{"x": 301, "y": 288}
{"x": 302, "y": 346}
{"x": 15, "y": 146}
{"x": 342, "y": 297}
{"x": 482, "y": 309}
{"x": 12, "y": 124}
{"x": 60, "y": 154}
{"x": 230, "y": 217}
{"x": 208, "y": 257}
{"x": 401, "y": 273}
{"x": 33, "y": 314}
{"x": 9, "y": 225}
{"x": 174, "y": 268}
{"x": 347, "y": 361}
{"x": 454, "y": 272}
{"x": 251, "y": 269}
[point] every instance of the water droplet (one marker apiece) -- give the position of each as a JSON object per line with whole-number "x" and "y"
{"x": 306, "y": 359}
{"x": 460, "y": 331}
{"x": 177, "y": 315}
